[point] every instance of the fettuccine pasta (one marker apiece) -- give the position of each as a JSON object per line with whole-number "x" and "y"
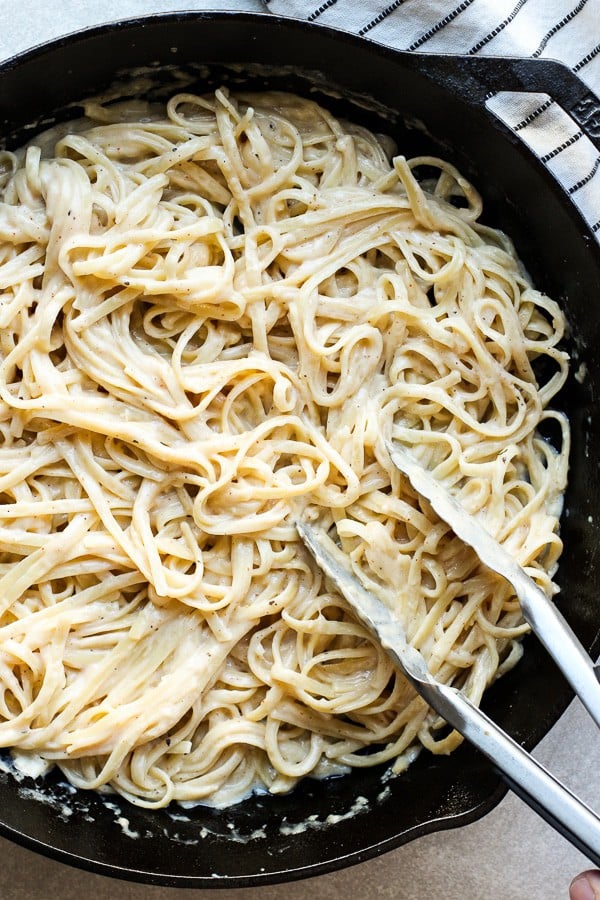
{"x": 212, "y": 318}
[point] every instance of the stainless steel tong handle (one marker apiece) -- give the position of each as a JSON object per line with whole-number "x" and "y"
{"x": 527, "y": 777}
{"x": 539, "y": 611}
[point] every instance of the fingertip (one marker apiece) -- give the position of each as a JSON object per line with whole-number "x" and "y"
{"x": 586, "y": 886}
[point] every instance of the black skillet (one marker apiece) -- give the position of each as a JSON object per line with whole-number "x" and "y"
{"x": 323, "y": 826}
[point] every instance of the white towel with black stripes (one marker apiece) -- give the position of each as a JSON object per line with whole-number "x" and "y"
{"x": 565, "y": 30}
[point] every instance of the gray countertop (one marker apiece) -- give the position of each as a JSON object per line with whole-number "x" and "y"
{"x": 509, "y": 855}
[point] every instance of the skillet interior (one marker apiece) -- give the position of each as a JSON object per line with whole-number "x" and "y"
{"x": 268, "y": 839}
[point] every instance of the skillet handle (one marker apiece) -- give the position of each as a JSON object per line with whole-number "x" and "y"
{"x": 525, "y": 775}
{"x": 474, "y": 78}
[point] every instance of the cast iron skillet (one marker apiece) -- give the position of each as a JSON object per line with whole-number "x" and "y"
{"x": 323, "y": 826}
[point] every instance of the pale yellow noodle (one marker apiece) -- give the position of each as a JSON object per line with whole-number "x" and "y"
{"x": 213, "y": 316}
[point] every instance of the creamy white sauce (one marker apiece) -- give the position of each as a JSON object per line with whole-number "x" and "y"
{"x": 30, "y": 765}
{"x": 360, "y": 805}
{"x": 124, "y": 823}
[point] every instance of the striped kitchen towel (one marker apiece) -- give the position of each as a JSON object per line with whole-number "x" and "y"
{"x": 565, "y": 30}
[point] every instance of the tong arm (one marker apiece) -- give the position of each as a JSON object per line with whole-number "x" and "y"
{"x": 524, "y": 774}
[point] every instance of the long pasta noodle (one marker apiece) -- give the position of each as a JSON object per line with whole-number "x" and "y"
{"x": 212, "y": 318}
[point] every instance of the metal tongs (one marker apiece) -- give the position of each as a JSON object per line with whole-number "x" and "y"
{"x": 527, "y": 777}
